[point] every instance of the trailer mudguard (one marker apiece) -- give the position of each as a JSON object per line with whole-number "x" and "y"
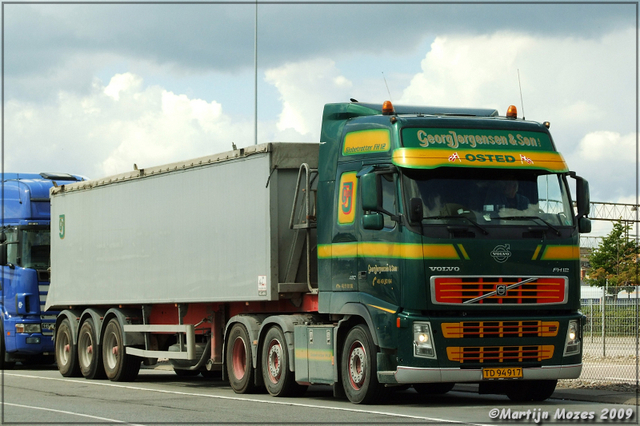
{"x": 97, "y": 315}
{"x": 73, "y": 315}
{"x": 125, "y": 316}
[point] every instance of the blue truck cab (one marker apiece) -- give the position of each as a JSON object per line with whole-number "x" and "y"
{"x": 27, "y": 330}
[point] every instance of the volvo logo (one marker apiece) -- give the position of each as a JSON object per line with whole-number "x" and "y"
{"x": 501, "y": 253}
{"x": 501, "y": 290}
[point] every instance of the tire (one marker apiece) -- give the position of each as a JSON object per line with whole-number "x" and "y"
{"x": 118, "y": 366}
{"x": 531, "y": 390}
{"x": 278, "y": 378}
{"x": 89, "y": 353}
{"x": 4, "y": 365}
{"x": 433, "y": 388}
{"x": 66, "y": 351}
{"x": 358, "y": 369}
{"x": 238, "y": 360}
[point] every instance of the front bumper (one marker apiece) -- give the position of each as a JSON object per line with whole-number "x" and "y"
{"x": 410, "y": 375}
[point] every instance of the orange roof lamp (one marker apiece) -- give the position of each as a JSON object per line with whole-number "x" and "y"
{"x": 387, "y": 108}
{"x": 512, "y": 112}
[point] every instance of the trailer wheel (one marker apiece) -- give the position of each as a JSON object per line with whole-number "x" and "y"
{"x": 238, "y": 359}
{"x": 433, "y": 388}
{"x": 89, "y": 354}
{"x": 533, "y": 390}
{"x": 358, "y": 368}
{"x": 118, "y": 366}
{"x": 66, "y": 351}
{"x": 278, "y": 378}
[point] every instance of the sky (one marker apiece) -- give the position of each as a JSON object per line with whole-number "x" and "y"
{"x": 91, "y": 89}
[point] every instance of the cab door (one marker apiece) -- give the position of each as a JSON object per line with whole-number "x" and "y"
{"x": 381, "y": 254}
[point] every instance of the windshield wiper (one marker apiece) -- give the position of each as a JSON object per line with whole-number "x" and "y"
{"x": 473, "y": 222}
{"x": 556, "y": 230}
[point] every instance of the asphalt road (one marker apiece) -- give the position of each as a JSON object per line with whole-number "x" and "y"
{"x": 159, "y": 396}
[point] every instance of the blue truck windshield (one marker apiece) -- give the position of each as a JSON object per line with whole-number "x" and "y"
{"x": 490, "y": 197}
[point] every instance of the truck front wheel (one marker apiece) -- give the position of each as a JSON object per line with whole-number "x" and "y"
{"x": 278, "y": 377}
{"x": 238, "y": 360}
{"x": 66, "y": 351}
{"x": 358, "y": 368}
{"x": 118, "y": 366}
{"x": 89, "y": 354}
{"x": 531, "y": 390}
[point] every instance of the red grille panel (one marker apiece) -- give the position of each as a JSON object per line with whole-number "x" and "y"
{"x": 499, "y": 290}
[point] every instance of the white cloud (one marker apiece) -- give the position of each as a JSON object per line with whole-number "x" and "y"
{"x": 115, "y": 126}
{"x": 607, "y": 146}
{"x": 122, "y": 82}
{"x": 304, "y": 88}
{"x": 568, "y": 79}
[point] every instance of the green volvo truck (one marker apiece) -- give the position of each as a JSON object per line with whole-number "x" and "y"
{"x": 412, "y": 247}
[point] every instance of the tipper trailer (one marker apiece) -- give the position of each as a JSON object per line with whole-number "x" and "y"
{"x": 395, "y": 252}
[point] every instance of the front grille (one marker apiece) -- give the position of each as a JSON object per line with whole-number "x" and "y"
{"x": 473, "y": 290}
{"x": 471, "y": 329}
{"x": 498, "y": 354}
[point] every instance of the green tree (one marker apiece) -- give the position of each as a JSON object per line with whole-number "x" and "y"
{"x": 615, "y": 260}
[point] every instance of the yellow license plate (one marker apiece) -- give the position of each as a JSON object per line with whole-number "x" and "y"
{"x": 502, "y": 373}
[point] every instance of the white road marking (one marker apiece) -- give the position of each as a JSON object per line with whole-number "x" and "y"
{"x": 71, "y": 413}
{"x": 232, "y": 398}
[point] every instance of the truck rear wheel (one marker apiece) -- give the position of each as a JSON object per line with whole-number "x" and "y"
{"x": 278, "y": 378}
{"x": 66, "y": 351}
{"x": 89, "y": 354}
{"x": 358, "y": 368}
{"x": 239, "y": 366}
{"x": 118, "y": 366}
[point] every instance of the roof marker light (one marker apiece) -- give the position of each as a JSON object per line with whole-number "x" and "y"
{"x": 512, "y": 112}
{"x": 387, "y": 108}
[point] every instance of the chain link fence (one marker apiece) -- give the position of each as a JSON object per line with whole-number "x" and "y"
{"x": 610, "y": 340}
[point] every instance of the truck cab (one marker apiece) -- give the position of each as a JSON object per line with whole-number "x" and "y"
{"x": 454, "y": 238}
{"x": 27, "y": 331}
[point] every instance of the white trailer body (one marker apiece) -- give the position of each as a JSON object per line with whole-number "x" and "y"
{"x": 214, "y": 229}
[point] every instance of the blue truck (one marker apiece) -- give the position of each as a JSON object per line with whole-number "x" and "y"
{"x": 27, "y": 330}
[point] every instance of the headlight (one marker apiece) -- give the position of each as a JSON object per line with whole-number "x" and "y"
{"x": 423, "y": 340}
{"x": 28, "y": 328}
{"x": 572, "y": 342}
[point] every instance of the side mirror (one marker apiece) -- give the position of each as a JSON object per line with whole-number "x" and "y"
{"x": 582, "y": 197}
{"x": 371, "y": 192}
{"x": 416, "y": 213}
{"x": 584, "y": 225}
{"x": 373, "y": 221}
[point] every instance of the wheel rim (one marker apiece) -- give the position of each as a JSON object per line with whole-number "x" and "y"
{"x": 357, "y": 365}
{"x": 274, "y": 361}
{"x": 111, "y": 353}
{"x": 64, "y": 347}
{"x": 239, "y": 358}
{"x": 85, "y": 349}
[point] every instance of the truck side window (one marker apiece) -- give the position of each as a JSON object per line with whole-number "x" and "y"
{"x": 12, "y": 249}
{"x": 389, "y": 198}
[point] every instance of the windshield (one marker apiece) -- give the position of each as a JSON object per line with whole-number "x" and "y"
{"x": 490, "y": 197}
{"x": 35, "y": 248}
